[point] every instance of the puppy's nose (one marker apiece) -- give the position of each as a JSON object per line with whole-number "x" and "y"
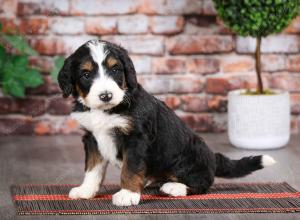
{"x": 105, "y": 96}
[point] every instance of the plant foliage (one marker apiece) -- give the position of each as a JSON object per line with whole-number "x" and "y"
{"x": 15, "y": 72}
{"x": 58, "y": 63}
{"x": 257, "y": 18}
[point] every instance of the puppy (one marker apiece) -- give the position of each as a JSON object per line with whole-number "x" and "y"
{"x": 129, "y": 128}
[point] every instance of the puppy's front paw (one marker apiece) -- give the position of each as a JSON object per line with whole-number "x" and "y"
{"x": 82, "y": 192}
{"x": 126, "y": 198}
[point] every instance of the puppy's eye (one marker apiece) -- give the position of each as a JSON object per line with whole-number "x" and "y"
{"x": 115, "y": 68}
{"x": 86, "y": 75}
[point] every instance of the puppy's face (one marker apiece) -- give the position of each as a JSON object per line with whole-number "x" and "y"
{"x": 99, "y": 74}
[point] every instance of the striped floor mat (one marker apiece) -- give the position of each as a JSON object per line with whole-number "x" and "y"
{"x": 222, "y": 198}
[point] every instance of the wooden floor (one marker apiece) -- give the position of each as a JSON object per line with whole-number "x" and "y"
{"x": 59, "y": 159}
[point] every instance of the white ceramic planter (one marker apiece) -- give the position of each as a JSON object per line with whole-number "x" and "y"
{"x": 258, "y": 121}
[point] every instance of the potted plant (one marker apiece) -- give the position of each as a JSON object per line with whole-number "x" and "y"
{"x": 258, "y": 118}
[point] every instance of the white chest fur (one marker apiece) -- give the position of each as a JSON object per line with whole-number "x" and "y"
{"x": 101, "y": 125}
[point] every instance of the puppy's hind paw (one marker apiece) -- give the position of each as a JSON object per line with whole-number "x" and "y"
{"x": 126, "y": 198}
{"x": 174, "y": 189}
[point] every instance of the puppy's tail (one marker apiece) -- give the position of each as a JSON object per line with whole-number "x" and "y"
{"x": 238, "y": 168}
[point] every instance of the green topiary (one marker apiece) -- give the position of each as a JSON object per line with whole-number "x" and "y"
{"x": 257, "y": 18}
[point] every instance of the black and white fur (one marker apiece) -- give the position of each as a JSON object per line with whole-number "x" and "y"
{"x": 136, "y": 132}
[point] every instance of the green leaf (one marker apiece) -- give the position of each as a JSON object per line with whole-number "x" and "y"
{"x": 32, "y": 78}
{"x": 20, "y": 44}
{"x": 13, "y": 87}
{"x": 1, "y": 26}
{"x": 58, "y": 63}
{"x": 20, "y": 61}
{"x": 2, "y": 57}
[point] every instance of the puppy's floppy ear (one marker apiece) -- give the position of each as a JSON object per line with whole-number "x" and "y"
{"x": 130, "y": 74}
{"x": 64, "y": 78}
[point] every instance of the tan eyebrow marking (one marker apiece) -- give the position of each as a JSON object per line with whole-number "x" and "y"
{"x": 87, "y": 65}
{"x": 111, "y": 61}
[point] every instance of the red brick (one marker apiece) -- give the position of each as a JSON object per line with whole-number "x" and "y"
{"x": 142, "y": 64}
{"x": 293, "y": 63}
{"x": 48, "y": 88}
{"x": 208, "y": 8}
{"x": 171, "y": 65}
{"x": 148, "y": 45}
{"x": 222, "y": 28}
{"x": 294, "y": 27}
{"x": 203, "y": 65}
{"x": 216, "y": 85}
{"x": 286, "y": 81}
{"x": 273, "y": 62}
{"x": 217, "y": 103}
{"x": 59, "y": 106}
{"x": 133, "y": 24}
{"x": 71, "y": 43}
{"x": 16, "y": 125}
{"x": 42, "y": 128}
{"x": 31, "y": 106}
{"x": 34, "y": 26}
{"x": 172, "y": 101}
{"x": 270, "y": 44}
{"x": 9, "y": 25}
{"x": 171, "y": 84}
{"x": 27, "y": 106}
{"x": 70, "y": 25}
{"x": 55, "y": 125}
{"x": 170, "y": 7}
{"x": 198, "y": 122}
{"x": 103, "y": 7}
{"x": 295, "y": 103}
{"x": 101, "y": 25}
{"x": 199, "y": 44}
{"x": 28, "y": 8}
{"x": 42, "y": 63}
{"x": 194, "y": 103}
{"x": 246, "y": 81}
{"x": 219, "y": 123}
{"x": 49, "y": 7}
{"x": 7, "y": 105}
{"x": 295, "y": 125}
{"x": 237, "y": 63}
{"x": 48, "y": 46}
{"x": 8, "y": 8}
{"x": 166, "y": 24}
{"x": 201, "y": 25}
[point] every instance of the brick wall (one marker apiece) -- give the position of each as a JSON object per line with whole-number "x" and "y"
{"x": 182, "y": 53}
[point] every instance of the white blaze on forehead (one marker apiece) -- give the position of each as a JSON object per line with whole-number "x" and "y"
{"x": 98, "y": 54}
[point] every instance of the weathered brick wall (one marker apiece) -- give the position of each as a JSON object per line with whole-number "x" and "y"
{"x": 182, "y": 53}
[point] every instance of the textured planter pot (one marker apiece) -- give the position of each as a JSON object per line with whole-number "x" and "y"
{"x": 258, "y": 121}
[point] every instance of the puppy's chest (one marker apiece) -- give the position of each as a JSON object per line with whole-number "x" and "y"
{"x": 102, "y": 125}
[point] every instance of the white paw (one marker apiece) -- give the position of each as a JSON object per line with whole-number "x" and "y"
{"x": 174, "y": 189}
{"x": 126, "y": 198}
{"x": 82, "y": 192}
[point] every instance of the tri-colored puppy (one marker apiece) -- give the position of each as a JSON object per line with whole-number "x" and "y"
{"x": 129, "y": 128}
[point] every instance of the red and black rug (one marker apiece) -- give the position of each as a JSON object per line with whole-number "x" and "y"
{"x": 222, "y": 198}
